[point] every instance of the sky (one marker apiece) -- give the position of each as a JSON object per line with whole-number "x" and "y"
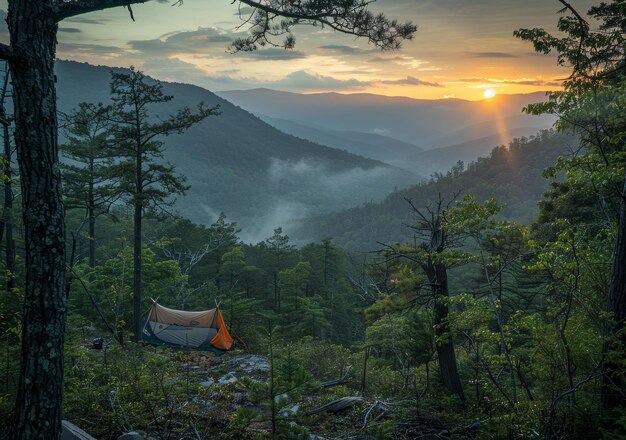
{"x": 461, "y": 48}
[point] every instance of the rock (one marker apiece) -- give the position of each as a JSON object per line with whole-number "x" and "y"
{"x": 249, "y": 363}
{"x": 205, "y": 404}
{"x": 280, "y": 397}
{"x": 239, "y": 398}
{"x": 226, "y": 379}
{"x": 73, "y": 432}
{"x": 290, "y": 410}
{"x": 207, "y": 383}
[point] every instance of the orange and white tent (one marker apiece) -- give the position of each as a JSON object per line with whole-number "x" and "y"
{"x": 177, "y": 328}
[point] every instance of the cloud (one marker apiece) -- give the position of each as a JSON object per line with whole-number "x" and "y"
{"x": 274, "y": 54}
{"x": 517, "y": 82}
{"x": 196, "y": 42}
{"x": 411, "y": 81}
{"x": 70, "y": 30}
{"x": 86, "y": 20}
{"x": 173, "y": 69}
{"x": 492, "y": 55}
{"x": 244, "y": 10}
{"x": 76, "y": 50}
{"x": 303, "y": 80}
{"x": 345, "y": 50}
{"x": 404, "y": 61}
{"x": 204, "y": 40}
{"x": 379, "y": 60}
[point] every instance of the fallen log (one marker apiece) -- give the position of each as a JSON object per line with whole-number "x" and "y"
{"x": 333, "y": 383}
{"x": 336, "y": 405}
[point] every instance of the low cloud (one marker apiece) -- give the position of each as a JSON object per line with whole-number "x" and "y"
{"x": 78, "y": 50}
{"x": 280, "y": 213}
{"x": 84, "y": 20}
{"x": 492, "y": 55}
{"x": 273, "y": 54}
{"x": 517, "y": 82}
{"x": 173, "y": 69}
{"x": 412, "y": 81}
{"x": 407, "y": 62}
{"x": 321, "y": 177}
{"x": 199, "y": 41}
{"x": 303, "y": 80}
{"x": 345, "y": 50}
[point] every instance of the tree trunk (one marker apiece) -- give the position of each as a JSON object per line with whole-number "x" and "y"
{"x": 613, "y": 383}
{"x": 8, "y": 207}
{"x": 39, "y": 396}
{"x": 438, "y": 277}
{"x": 137, "y": 324}
{"x": 91, "y": 215}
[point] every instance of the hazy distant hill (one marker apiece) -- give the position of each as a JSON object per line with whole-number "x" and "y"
{"x": 511, "y": 174}
{"x": 236, "y": 163}
{"x": 427, "y": 123}
{"x": 442, "y": 159}
{"x": 372, "y": 145}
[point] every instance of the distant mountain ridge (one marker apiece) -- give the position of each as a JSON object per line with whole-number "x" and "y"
{"x": 427, "y": 123}
{"x": 396, "y": 129}
{"x": 259, "y": 176}
{"x": 371, "y": 145}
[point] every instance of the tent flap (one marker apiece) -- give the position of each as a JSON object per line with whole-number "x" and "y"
{"x": 222, "y": 339}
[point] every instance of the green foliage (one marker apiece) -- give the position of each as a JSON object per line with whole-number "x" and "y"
{"x": 111, "y": 284}
{"x": 127, "y": 389}
{"x": 287, "y": 381}
{"x": 88, "y": 180}
{"x": 143, "y": 177}
{"x": 512, "y": 174}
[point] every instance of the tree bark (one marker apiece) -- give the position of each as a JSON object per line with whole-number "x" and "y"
{"x": 613, "y": 383}
{"x": 91, "y": 214}
{"x": 33, "y": 40}
{"x": 137, "y": 324}
{"x": 8, "y": 205}
{"x": 438, "y": 277}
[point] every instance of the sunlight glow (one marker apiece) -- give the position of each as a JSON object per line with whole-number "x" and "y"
{"x": 489, "y": 93}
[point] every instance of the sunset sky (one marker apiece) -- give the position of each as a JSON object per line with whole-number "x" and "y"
{"x": 462, "y": 47}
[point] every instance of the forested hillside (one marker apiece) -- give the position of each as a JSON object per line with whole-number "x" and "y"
{"x": 513, "y": 174}
{"x": 237, "y": 164}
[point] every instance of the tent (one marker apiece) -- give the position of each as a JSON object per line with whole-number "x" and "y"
{"x": 176, "y": 328}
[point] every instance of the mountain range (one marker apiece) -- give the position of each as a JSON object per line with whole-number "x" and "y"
{"x": 235, "y": 163}
{"x": 398, "y": 130}
{"x": 302, "y": 160}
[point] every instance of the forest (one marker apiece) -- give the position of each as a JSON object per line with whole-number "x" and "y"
{"x": 485, "y": 302}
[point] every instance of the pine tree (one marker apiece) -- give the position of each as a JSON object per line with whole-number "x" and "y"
{"x": 146, "y": 181}
{"x": 279, "y": 247}
{"x": 87, "y": 177}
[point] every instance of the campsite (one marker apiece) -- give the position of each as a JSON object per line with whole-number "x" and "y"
{"x": 313, "y": 219}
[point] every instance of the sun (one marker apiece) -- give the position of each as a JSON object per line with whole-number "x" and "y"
{"x": 489, "y": 93}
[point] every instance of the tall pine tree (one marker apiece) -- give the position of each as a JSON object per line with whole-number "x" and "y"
{"x": 87, "y": 176}
{"x": 146, "y": 180}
